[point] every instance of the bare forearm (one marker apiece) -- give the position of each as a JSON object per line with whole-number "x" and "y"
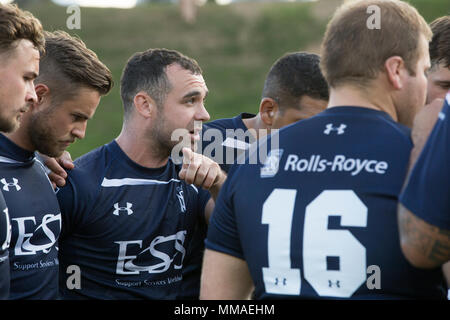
{"x": 424, "y": 245}
{"x": 224, "y": 277}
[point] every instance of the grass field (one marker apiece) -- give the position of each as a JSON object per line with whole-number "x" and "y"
{"x": 235, "y": 45}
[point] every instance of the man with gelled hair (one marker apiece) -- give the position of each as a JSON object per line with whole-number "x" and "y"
{"x": 69, "y": 86}
{"x": 21, "y": 40}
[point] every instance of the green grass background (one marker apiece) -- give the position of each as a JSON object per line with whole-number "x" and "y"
{"x": 235, "y": 45}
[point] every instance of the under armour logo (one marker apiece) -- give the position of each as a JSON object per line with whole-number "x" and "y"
{"x": 6, "y": 185}
{"x": 340, "y": 129}
{"x": 337, "y": 284}
{"x": 118, "y": 209}
{"x": 181, "y": 200}
{"x": 277, "y": 282}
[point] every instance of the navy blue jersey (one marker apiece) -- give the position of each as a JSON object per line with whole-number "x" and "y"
{"x": 226, "y": 140}
{"x": 35, "y": 221}
{"x": 318, "y": 218}
{"x": 427, "y": 193}
{"x": 5, "y": 238}
{"x": 128, "y": 228}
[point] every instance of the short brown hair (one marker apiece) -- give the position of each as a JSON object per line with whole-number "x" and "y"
{"x": 146, "y": 71}
{"x": 68, "y": 64}
{"x": 440, "y": 43}
{"x": 353, "y": 53}
{"x": 16, "y": 24}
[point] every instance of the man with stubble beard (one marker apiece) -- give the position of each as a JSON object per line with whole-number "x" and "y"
{"x": 21, "y": 39}
{"x": 68, "y": 89}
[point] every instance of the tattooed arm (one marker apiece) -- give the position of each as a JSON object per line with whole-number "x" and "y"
{"x": 425, "y": 245}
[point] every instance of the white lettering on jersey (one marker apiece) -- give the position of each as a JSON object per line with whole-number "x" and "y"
{"x": 125, "y": 263}
{"x": 339, "y": 164}
{"x": 180, "y": 196}
{"x": 5, "y": 244}
{"x": 24, "y": 245}
{"x": 235, "y": 144}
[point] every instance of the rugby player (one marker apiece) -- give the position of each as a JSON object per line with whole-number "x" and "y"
{"x": 323, "y": 217}
{"x": 130, "y": 212}
{"x": 69, "y": 86}
{"x": 439, "y": 73}
{"x": 294, "y": 90}
{"x": 424, "y": 210}
{"x": 21, "y": 39}
{"x": 423, "y": 241}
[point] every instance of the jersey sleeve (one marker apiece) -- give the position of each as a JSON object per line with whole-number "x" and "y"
{"x": 223, "y": 235}
{"x": 75, "y": 200}
{"x": 203, "y": 198}
{"x": 427, "y": 193}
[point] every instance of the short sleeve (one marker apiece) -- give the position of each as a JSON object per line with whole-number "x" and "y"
{"x": 75, "y": 200}
{"x": 223, "y": 234}
{"x": 202, "y": 200}
{"x": 427, "y": 193}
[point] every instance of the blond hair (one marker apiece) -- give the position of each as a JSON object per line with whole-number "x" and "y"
{"x": 354, "y": 53}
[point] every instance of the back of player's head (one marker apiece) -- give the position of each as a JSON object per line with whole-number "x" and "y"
{"x": 16, "y": 24}
{"x": 146, "y": 71}
{"x": 69, "y": 65}
{"x": 293, "y": 76}
{"x": 354, "y": 51}
{"x": 440, "y": 43}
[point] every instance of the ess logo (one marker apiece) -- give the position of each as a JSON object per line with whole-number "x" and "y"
{"x": 165, "y": 249}
{"x": 180, "y": 197}
{"x": 33, "y": 238}
{"x": 7, "y": 238}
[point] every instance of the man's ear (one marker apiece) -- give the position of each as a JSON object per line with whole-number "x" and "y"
{"x": 43, "y": 96}
{"x": 144, "y": 104}
{"x": 268, "y": 108}
{"x": 395, "y": 70}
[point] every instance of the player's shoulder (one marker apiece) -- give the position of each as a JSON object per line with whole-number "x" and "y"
{"x": 351, "y": 121}
{"x": 84, "y": 180}
{"x": 228, "y": 123}
{"x": 90, "y": 168}
{"x": 219, "y": 124}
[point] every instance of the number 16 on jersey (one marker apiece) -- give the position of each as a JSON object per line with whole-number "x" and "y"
{"x": 319, "y": 244}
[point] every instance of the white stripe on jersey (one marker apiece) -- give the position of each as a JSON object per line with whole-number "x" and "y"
{"x": 46, "y": 171}
{"x": 236, "y": 144}
{"x": 8, "y": 160}
{"x": 136, "y": 182}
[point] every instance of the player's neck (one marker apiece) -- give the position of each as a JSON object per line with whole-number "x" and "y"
{"x": 372, "y": 98}
{"x": 139, "y": 149}
{"x": 259, "y": 129}
{"x": 21, "y": 138}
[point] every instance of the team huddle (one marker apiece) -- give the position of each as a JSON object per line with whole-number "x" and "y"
{"x": 339, "y": 187}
